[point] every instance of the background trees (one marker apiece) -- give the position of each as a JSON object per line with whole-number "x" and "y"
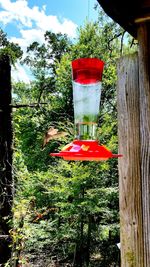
{"x": 65, "y": 210}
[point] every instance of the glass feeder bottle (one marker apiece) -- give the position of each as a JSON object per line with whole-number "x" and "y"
{"x": 87, "y": 75}
{"x": 86, "y": 80}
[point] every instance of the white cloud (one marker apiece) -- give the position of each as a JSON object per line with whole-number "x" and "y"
{"x": 31, "y": 24}
{"x": 18, "y": 11}
{"x": 27, "y": 37}
{"x": 21, "y": 73}
{"x": 27, "y": 17}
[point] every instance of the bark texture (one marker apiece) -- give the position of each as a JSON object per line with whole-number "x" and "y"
{"x": 131, "y": 220}
{"x": 6, "y": 180}
{"x": 144, "y": 85}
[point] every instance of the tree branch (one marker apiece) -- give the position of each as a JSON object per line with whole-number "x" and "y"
{"x": 33, "y": 105}
{"x": 4, "y": 237}
{"x": 121, "y": 47}
{"x": 116, "y": 36}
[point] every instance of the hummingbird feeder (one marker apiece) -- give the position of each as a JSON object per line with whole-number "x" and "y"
{"x": 87, "y": 76}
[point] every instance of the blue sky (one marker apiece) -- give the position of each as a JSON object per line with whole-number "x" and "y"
{"x": 17, "y": 15}
{"x": 26, "y": 21}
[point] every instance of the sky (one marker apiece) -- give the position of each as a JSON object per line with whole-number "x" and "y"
{"x": 26, "y": 21}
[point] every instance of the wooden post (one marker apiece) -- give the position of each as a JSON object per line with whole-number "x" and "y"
{"x": 6, "y": 181}
{"x": 144, "y": 85}
{"x": 132, "y": 254}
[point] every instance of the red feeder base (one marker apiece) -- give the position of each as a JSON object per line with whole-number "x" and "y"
{"x": 85, "y": 150}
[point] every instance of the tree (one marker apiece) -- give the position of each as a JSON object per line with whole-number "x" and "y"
{"x": 9, "y": 52}
{"x": 42, "y": 60}
{"x": 81, "y": 200}
{"x": 35, "y": 121}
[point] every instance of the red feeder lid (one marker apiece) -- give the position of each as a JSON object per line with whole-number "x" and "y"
{"x": 87, "y": 70}
{"x": 85, "y": 150}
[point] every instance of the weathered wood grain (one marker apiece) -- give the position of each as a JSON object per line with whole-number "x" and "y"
{"x": 132, "y": 254}
{"x": 144, "y": 85}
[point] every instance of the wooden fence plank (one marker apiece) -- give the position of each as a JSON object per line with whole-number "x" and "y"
{"x": 144, "y": 85}
{"x": 129, "y": 166}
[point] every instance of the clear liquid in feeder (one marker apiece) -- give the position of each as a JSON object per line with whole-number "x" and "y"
{"x": 87, "y": 76}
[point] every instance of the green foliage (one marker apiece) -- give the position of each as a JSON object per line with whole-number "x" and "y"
{"x": 71, "y": 207}
{"x": 8, "y": 48}
{"x": 42, "y": 60}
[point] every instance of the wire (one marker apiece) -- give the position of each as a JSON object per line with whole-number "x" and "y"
{"x": 88, "y": 10}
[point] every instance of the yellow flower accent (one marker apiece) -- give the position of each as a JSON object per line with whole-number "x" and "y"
{"x": 85, "y": 148}
{"x": 65, "y": 147}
